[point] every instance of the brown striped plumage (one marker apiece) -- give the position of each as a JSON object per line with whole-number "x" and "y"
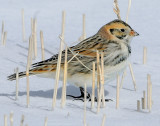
{"x": 113, "y": 39}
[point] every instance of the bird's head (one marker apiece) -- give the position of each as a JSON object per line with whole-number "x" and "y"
{"x": 118, "y": 29}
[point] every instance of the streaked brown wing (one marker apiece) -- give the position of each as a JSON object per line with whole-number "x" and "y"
{"x": 89, "y": 46}
{"x": 86, "y": 48}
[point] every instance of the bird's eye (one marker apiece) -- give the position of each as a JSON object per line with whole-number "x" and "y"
{"x": 111, "y": 30}
{"x": 122, "y": 30}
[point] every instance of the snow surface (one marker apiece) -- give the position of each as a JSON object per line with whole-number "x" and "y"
{"x": 143, "y": 18}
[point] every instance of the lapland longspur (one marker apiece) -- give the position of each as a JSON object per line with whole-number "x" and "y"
{"x": 113, "y": 39}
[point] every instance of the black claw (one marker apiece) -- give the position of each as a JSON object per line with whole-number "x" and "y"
{"x": 95, "y": 99}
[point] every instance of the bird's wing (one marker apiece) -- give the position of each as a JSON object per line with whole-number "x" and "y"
{"x": 89, "y": 46}
{"x": 86, "y": 47}
{"x": 86, "y": 50}
{"x": 47, "y": 65}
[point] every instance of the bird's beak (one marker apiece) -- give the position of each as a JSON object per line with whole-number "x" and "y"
{"x": 133, "y": 33}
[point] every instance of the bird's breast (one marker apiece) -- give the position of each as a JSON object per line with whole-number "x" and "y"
{"x": 112, "y": 71}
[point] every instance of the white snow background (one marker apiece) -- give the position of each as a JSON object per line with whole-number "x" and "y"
{"x": 143, "y": 18}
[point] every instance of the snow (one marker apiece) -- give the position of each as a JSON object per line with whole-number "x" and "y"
{"x": 143, "y": 18}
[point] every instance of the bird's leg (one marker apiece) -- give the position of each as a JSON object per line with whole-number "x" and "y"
{"x": 81, "y": 97}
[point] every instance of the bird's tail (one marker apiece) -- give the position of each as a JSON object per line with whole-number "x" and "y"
{"x": 37, "y": 69}
{"x": 20, "y": 74}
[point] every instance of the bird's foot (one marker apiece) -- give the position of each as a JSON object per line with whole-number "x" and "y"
{"x": 81, "y": 97}
{"x": 88, "y": 96}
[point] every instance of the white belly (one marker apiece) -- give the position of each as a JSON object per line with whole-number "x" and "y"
{"x": 112, "y": 72}
{"x": 80, "y": 79}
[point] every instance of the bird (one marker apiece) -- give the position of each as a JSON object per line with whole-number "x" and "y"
{"x": 113, "y": 39}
